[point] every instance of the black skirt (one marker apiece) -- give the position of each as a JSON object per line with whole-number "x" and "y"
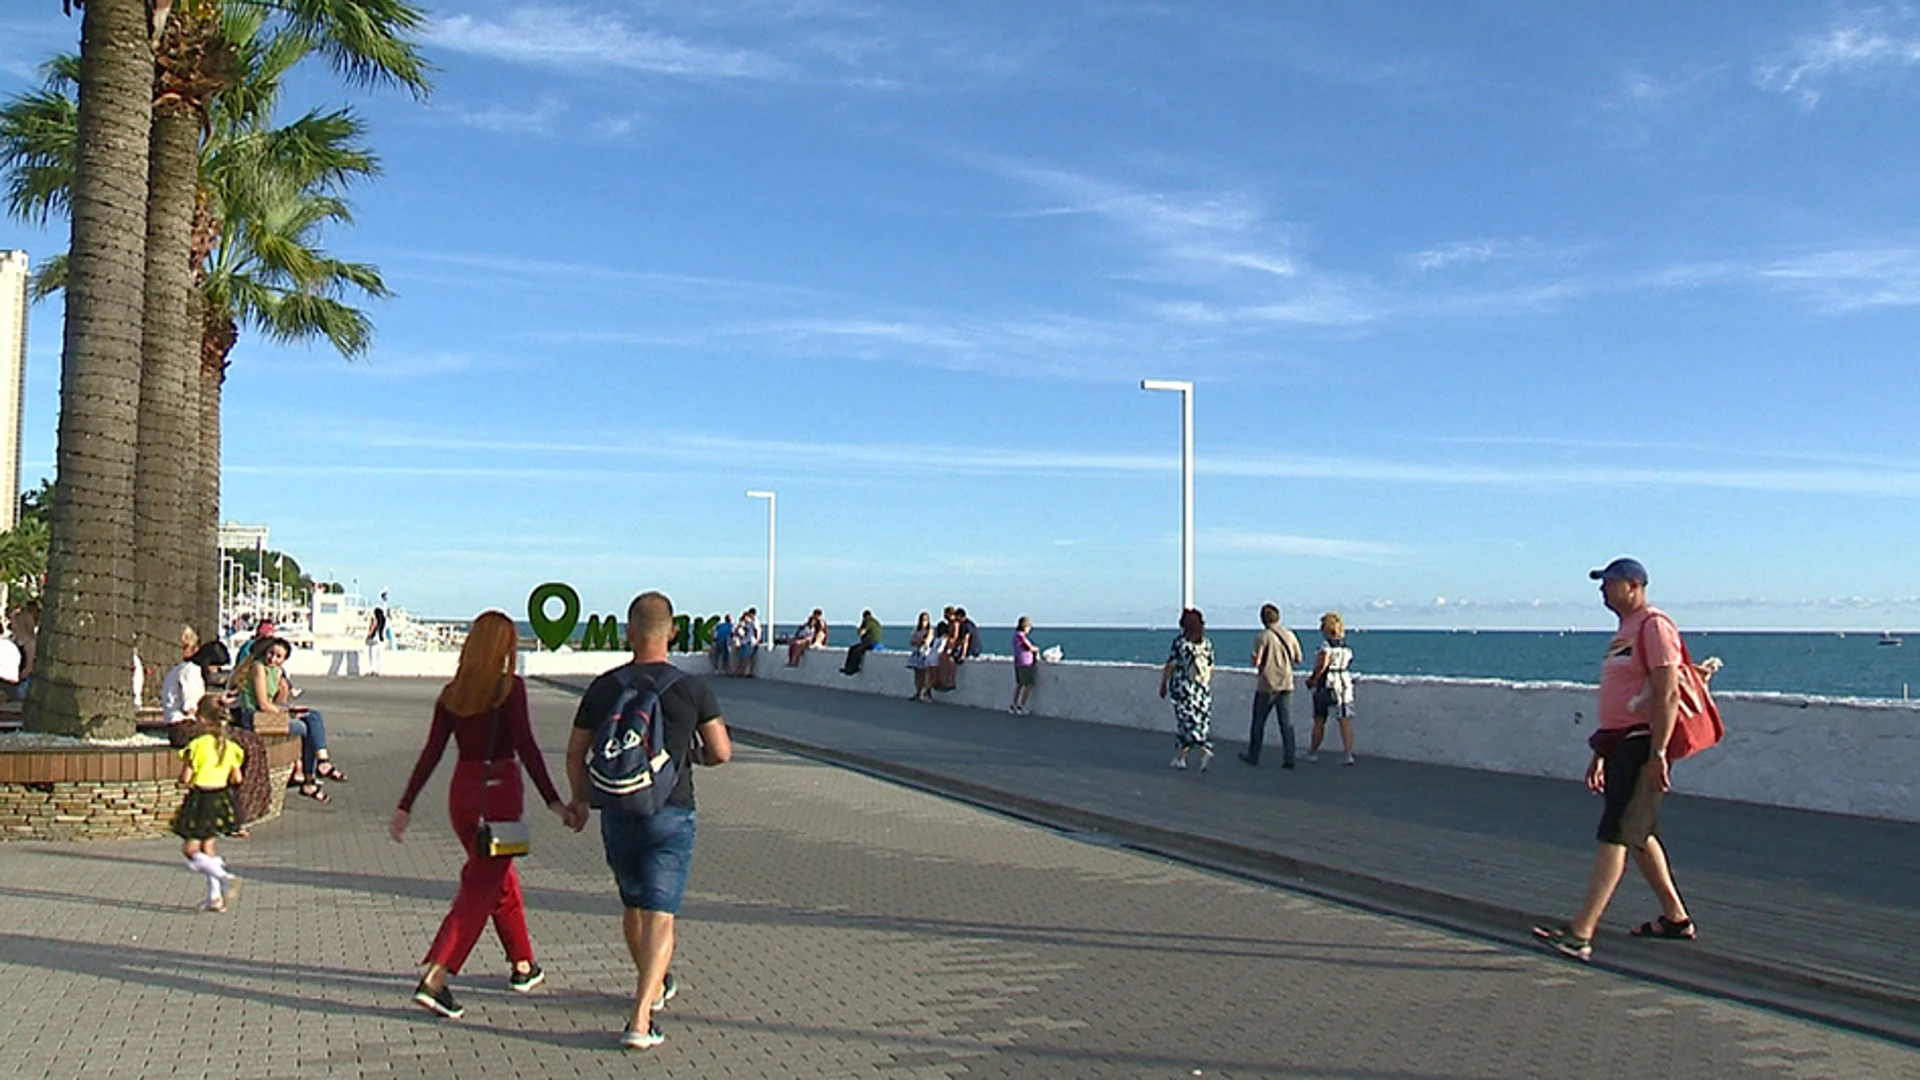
{"x": 205, "y": 814}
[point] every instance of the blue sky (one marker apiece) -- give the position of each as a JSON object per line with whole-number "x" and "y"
{"x": 1476, "y": 296}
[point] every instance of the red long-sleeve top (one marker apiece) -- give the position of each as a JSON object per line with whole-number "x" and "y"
{"x": 470, "y": 733}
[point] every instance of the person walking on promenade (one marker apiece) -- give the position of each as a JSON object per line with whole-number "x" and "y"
{"x": 650, "y": 854}
{"x": 212, "y": 765}
{"x": 722, "y": 655}
{"x": 920, "y": 659}
{"x": 870, "y": 632}
{"x": 1026, "y": 666}
{"x": 1187, "y": 681}
{"x": 1629, "y": 764}
{"x": 484, "y": 710}
{"x": 1332, "y": 686}
{"x": 379, "y": 632}
{"x": 1275, "y": 652}
{"x": 746, "y": 643}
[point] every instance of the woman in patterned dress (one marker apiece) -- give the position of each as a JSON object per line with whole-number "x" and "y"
{"x": 1187, "y": 680}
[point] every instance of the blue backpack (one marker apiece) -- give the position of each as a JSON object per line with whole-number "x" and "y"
{"x": 628, "y": 762}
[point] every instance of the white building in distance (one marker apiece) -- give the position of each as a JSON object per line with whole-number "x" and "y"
{"x": 13, "y": 378}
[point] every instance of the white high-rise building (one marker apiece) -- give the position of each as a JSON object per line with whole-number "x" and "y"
{"x": 13, "y": 379}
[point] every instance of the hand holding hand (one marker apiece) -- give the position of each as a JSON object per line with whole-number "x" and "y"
{"x": 398, "y": 825}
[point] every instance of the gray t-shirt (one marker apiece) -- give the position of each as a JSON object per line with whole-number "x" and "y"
{"x": 1275, "y": 652}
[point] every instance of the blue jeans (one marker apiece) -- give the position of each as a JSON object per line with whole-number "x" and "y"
{"x": 310, "y": 726}
{"x": 1281, "y": 703}
{"x": 650, "y": 856}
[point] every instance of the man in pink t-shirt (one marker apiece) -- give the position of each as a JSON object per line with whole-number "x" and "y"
{"x": 1639, "y": 703}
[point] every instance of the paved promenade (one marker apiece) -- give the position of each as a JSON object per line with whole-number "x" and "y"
{"x": 1805, "y": 909}
{"x": 836, "y": 926}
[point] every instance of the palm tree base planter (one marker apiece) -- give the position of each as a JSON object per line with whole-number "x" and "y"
{"x": 109, "y": 792}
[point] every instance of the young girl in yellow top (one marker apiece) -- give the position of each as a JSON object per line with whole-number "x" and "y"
{"x": 211, "y": 766}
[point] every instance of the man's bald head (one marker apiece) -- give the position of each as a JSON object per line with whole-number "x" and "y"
{"x": 649, "y": 618}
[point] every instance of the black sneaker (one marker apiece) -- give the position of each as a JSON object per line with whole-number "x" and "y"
{"x": 523, "y": 981}
{"x": 669, "y": 989}
{"x": 1248, "y": 758}
{"x": 438, "y": 1001}
{"x": 1287, "y": 764}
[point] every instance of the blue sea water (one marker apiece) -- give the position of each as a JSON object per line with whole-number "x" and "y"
{"x": 1827, "y": 663}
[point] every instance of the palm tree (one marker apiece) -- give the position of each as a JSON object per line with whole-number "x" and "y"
{"x": 368, "y": 41}
{"x": 80, "y": 683}
{"x": 230, "y": 69}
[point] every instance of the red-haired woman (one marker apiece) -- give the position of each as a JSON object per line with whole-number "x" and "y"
{"x": 484, "y": 709}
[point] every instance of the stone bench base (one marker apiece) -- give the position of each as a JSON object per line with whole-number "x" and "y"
{"x": 109, "y": 793}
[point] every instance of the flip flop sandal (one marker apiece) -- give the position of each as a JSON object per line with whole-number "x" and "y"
{"x": 1666, "y": 928}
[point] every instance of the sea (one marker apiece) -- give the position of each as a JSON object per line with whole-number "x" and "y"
{"x": 1855, "y": 664}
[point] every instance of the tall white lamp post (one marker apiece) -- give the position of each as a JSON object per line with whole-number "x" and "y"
{"x": 768, "y": 495}
{"x": 1186, "y": 481}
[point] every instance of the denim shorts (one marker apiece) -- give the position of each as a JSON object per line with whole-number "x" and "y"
{"x": 650, "y": 856}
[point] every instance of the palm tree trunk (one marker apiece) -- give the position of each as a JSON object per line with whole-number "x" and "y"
{"x": 218, "y": 336}
{"x": 81, "y": 681}
{"x": 164, "y": 581}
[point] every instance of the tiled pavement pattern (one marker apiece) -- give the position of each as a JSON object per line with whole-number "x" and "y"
{"x": 1816, "y": 896}
{"x": 836, "y": 926}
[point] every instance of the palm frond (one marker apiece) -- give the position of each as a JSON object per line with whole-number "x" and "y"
{"x": 39, "y": 133}
{"x": 48, "y": 278}
{"x": 370, "y": 42}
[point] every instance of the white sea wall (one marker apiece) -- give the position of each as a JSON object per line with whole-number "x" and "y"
{"x": 1833, "y": 754}
{"x": 418, "y": 663}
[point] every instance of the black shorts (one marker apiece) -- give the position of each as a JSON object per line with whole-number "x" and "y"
{"x": 1632, "y": 814}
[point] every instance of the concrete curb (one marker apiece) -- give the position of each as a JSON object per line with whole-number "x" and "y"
{"x": 1857, "y": 1003}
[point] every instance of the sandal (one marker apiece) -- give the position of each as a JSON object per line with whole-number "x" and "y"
{"x": 1664, "y": 927}
{"x": 326, "y": 771}
{"x": 314, "y": 791}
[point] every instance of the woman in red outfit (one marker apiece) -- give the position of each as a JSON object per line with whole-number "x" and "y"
{"x": 485, "y": 701}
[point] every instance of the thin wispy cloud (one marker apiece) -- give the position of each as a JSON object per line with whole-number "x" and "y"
{"x": 826, "y": 459}
{"x": 507, "y": 120}
{"x": 1318, "y": 547}
{"x": 1208, "y": 232}
{"x": 1460, "y": 253}
{"x": 584, "y": 43}
{"x": 522, "y": 271}
{"x": 1840, "y": 281}
{"x": 1863, "y": 47}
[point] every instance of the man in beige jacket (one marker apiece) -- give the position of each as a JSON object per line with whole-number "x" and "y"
{"x": 1275, "y": 652}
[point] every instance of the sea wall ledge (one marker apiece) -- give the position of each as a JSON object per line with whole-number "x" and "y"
{"x": 1840, "y": 755}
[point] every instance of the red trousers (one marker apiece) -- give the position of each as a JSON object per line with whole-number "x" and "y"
{"x": 489, "y": 887}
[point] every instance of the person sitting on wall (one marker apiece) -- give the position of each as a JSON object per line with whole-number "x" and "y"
{"x": 870, "y": 632}
{"x": 812, "y": 634}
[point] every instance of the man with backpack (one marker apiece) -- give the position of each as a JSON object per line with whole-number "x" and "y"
{"x": 1642, "y": 683}
{"x": 638, "y": 732}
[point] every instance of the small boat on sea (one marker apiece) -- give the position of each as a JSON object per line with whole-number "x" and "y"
{"x": 1887, "y": 638}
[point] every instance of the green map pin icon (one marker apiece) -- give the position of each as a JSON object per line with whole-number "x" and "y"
{"x": 553, "y": 633}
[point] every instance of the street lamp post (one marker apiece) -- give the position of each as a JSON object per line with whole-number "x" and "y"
{"x": 1186, "y": 481}
{"x": 769, "y": 496}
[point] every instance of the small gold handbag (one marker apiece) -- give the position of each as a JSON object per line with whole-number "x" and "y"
{"x": 504, "y": 839}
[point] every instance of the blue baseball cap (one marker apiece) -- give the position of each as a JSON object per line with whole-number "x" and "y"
{"x": 1630, "y": 569}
